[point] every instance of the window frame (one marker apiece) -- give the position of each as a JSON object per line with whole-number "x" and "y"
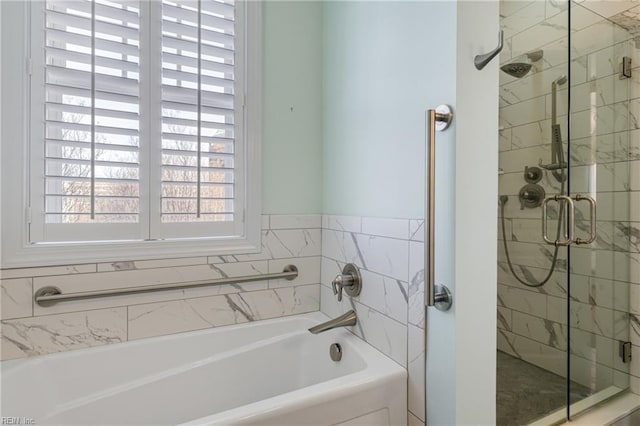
{"x": 16, "y": 250}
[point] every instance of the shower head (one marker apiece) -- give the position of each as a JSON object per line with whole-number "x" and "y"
{"x": 560, "y": 80}
{"x": 516, "y": 69}
{"x": 520, "y": 69}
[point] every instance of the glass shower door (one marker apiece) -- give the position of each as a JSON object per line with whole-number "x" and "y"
{"x": 600, "y": 149}
{"x": 569, "y": 127}
{"x": 532, "y": 276}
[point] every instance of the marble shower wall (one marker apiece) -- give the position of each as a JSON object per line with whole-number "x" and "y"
{"x": 390, "y": 308}
{"x": 30, "y": 330}
{"x": 605, "y": 159}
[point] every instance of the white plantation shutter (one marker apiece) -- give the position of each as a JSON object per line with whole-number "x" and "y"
{"x": 198, "y": 111}
{"x": 91, "y": 76}
{"x": 142, "y": 113}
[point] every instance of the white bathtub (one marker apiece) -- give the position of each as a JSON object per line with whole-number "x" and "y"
{"x": 268, "y": 372}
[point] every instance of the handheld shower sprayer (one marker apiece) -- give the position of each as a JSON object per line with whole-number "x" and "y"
{"x": 554, "y": 94}
{"x": 558, "y": 164}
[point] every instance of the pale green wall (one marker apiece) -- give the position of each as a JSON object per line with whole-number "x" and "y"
{"x": 346, "y": 85}
{"x": 384, "y": 64}
{"x": 292, "y": 107}
{"x": 382, "y": 70}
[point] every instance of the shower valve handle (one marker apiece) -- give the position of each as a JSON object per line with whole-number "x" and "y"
{"x": 339, "y": 282}
{"x": 349, "y": 280}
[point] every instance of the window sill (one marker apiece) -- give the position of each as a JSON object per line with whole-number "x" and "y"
{"x": 56, "y": 254}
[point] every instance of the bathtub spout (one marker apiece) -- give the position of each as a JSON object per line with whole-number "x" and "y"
{"x": 345, "y": 320}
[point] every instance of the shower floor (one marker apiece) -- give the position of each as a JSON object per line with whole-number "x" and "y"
{"x": 526, "y": 393}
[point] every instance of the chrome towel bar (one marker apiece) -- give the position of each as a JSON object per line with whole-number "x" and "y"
{"x": 47, "y": 296}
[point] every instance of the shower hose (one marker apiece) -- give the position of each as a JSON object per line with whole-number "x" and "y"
{"x": 555, "y": 251}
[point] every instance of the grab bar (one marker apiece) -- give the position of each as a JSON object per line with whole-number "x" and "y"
{"x": 435, "y": 295}
{"x": 49, "y": 295}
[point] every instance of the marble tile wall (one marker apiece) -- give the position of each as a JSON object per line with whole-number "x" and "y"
{"x": 29, "y": 330}
{"x": 605, "y": 159}
{"x": 390, "y": 309}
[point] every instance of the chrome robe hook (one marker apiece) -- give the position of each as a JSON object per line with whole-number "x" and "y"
{"x": 481, "y": 61}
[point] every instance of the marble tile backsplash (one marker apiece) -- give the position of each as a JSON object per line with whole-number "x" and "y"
{"x": 390, "y": 308}
{"x": 29, "y": 329}
{"x": 533, "y": 323}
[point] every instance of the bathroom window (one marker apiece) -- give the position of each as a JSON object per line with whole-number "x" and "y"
{"x": 143, "y": 137}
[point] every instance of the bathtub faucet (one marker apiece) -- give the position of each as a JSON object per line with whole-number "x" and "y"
{"x": 345, "y": 320}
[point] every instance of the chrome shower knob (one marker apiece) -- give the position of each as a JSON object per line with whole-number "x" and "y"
{"x": 531, "y": 196}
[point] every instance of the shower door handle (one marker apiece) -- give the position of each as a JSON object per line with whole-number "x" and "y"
{"x": 571, "y": 225}
{"x": 438, "y": 119}
{"x": 570, "y": 219}
{"x": 592, "y": 218}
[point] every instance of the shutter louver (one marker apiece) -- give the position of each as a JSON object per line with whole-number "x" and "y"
{"x": 197, "y": 111}
{"x": 92, "y": 111}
